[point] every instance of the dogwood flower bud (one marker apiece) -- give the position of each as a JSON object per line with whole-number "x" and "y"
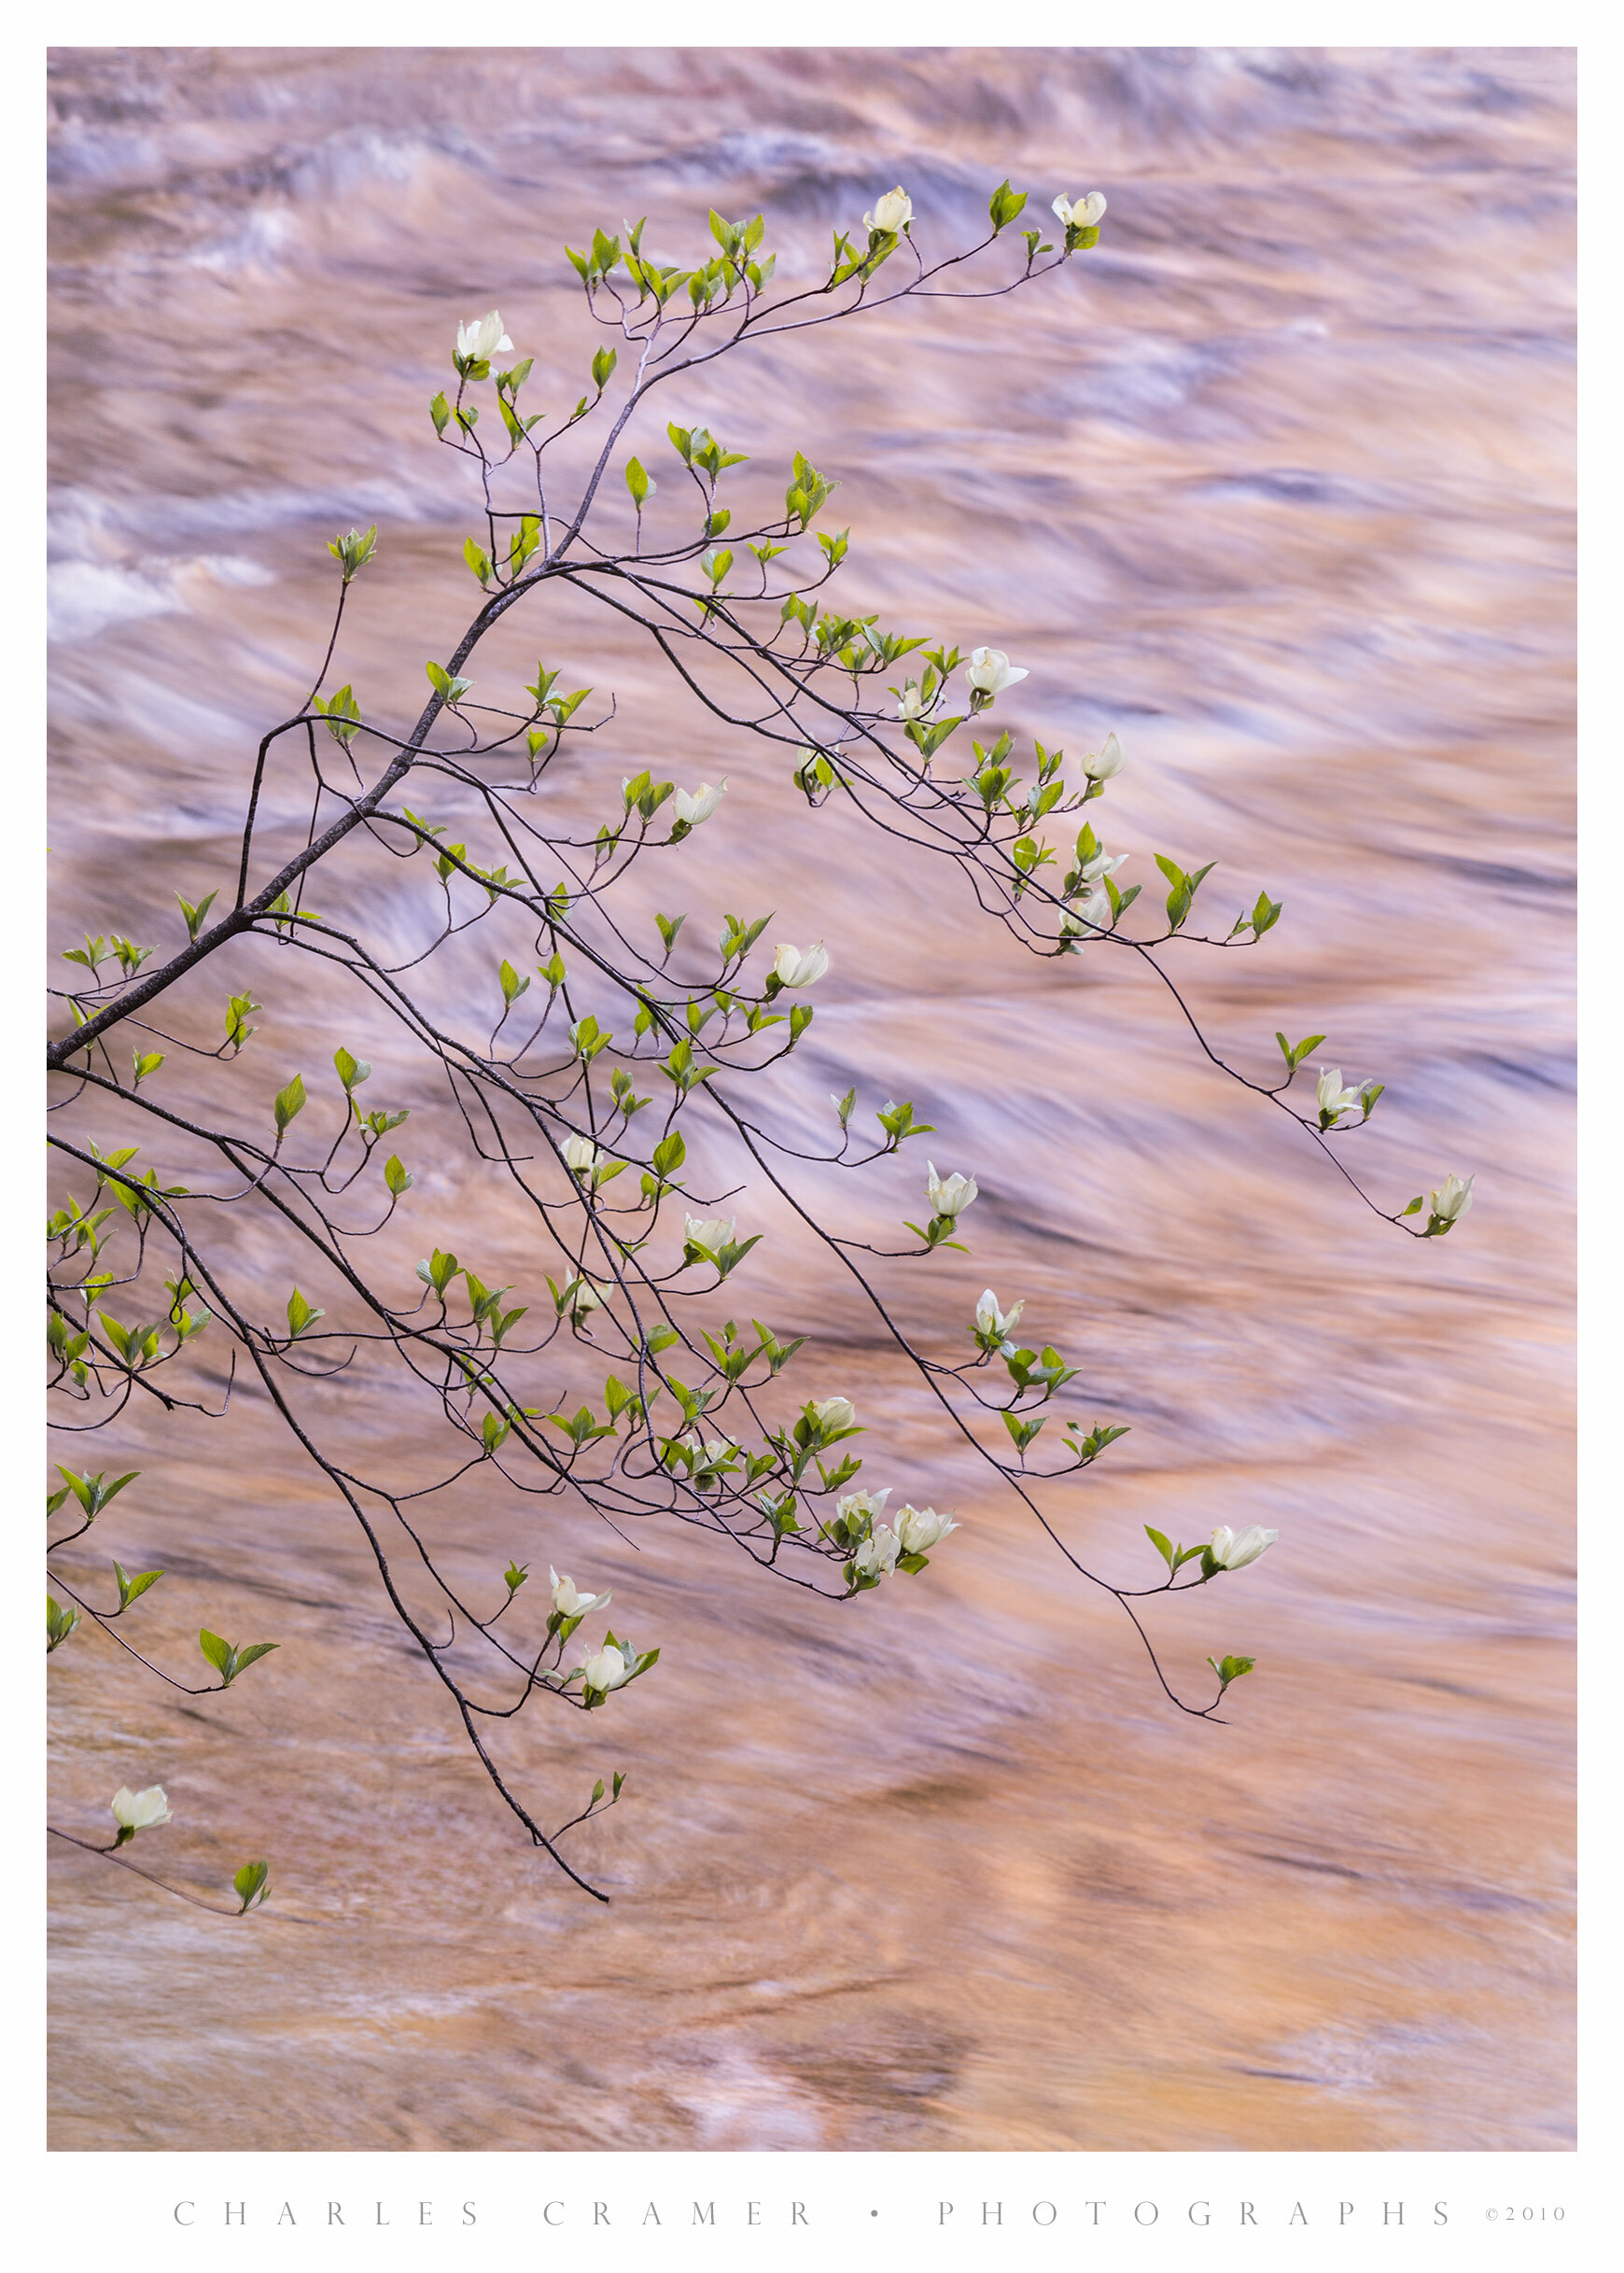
{"x": 910, "y": 702}
{"x": 580, "y": 1155}
{"x": 893, "y": 212}
{"x": 919, "y": 1529}
{"x": 990, "y": 671}
{"x": 481, "y": 338}
{"x": 569, "y": 1600}
{"x": 711, "y": 1232}
{"x": 1452, "y": 1199}
{"x": 790, "y": 968}
{"x": 139, "y": 1811}
{"x": 1332, "y": 1098}
{"x": 691, "y": 809}
{"x": 991, "y": 1320}
{"x": 948, "y": 1196}
{"x": 1084, "y": 213}
{"x": 605, "y": 1669}
{"x": 1233, "y": 1550}
{"x": 1106, "y": 763}
{"x": 833, "y": 1413}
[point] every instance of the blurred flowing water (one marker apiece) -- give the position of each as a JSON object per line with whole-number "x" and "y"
{"x": 1278, "y": 484}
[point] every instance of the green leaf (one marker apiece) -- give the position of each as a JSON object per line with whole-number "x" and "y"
{"x": 515, "y": 1575}
{"x": 478, "y": 559}
{"x": 130, "y": 1588}
{"x": 397, "y": 1177}
{"x": 195, "y": 915}
{"x": 603, "y": 364}
{"x": 59, "y": 1624}
{"x": 254, "y": 1651}
{"x": 237, "y": 1028}
{"x": 354, "y": 550}
{"x": 299, "y": 1313}
{"x": 1162, "y": 1544}
{"x": 439, "y": 410}
{"x": 90, "y": 1492}
{"x": 288, "y": 1102}
{"x": 218, "y": 1652}
{"x": 352, "y": 1072}
{"x": 1005, "y": 204}
{"x": 512, "y": 983}
{"x": 450, "y": 690}
{"x": 637, "y": 482}
{"x": 438, "y": 1270}
{"x": 1293, "y": 1054}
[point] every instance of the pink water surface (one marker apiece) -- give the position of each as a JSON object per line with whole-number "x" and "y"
{"x": 1278, "y": 483}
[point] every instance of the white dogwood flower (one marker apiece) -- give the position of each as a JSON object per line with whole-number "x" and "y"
{"x": 567, "y": 1599}
{"x": 1331, "y": 1097}
{"x": 790, "y": 968}
{"x": 892, "y": 212}
{"x": 481, "y": 338}
{"x": 605, "y": 1669}
{"x": 989, "y": 1319}
{"x": 1100, "y": 864}
{"x": 990, "y": 671}
{"x": 1102, "y": 764}
{"x": 950, "y": 1195}
{"x": 877, "y": 1554}
{"x": 699, "y": 805}
{"x": 851, "y": 1507}
{"x": 919, "y": 1529}
{"x": 1233, "y": 1550}
{"x": 139, "y": 1811}
{"x": 1452, "y": 1198}
{"x": 1079, "y": 213}
{"x": 711, "y": 1232}
{"x": 832, "y": 1413}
